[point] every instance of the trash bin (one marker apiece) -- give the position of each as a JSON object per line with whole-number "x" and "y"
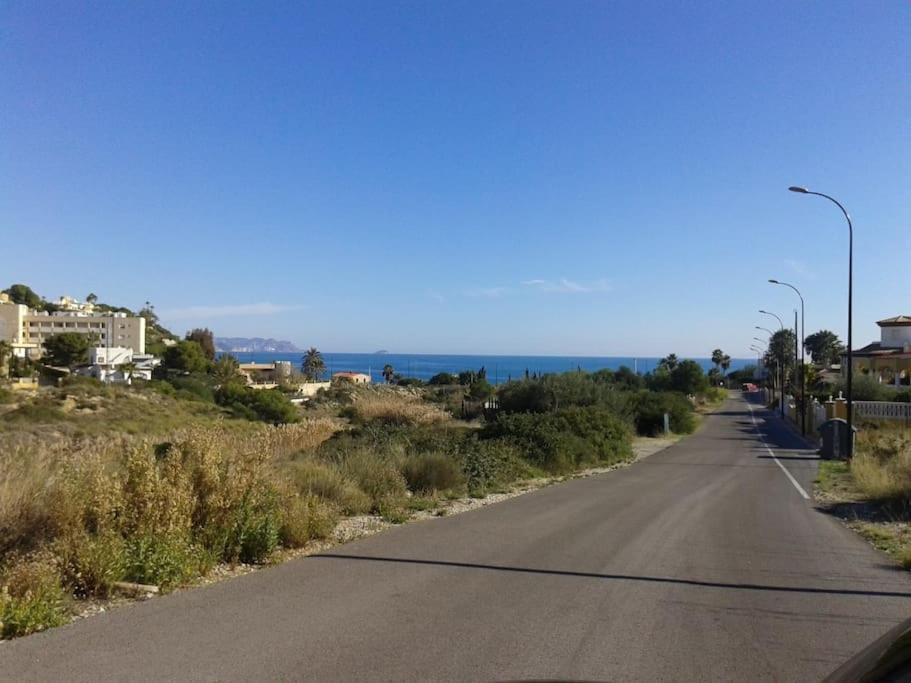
{"x": 835, "y": 437}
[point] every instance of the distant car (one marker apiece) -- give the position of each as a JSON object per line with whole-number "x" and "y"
{"x": 749, "y": 387}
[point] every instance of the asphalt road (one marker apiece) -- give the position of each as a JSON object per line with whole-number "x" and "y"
{"x": 702, "y": 562}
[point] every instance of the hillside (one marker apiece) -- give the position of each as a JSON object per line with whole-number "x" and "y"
{"x": 253, "y": 345}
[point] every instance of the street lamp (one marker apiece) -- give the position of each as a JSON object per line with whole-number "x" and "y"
{"x": 759, "y": 363}
{"x": 764, "y": 349}
{"x": 780, "y": 364}
{"x": 850, "y": 404}
{"x": 803, "y": 384}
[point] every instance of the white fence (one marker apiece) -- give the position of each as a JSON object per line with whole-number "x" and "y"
{"x": 883, "y": 410}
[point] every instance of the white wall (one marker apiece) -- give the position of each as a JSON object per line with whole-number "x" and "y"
{"x": 895, "y": 336}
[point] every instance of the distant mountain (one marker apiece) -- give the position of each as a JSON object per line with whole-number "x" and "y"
{"x": 253, "y": 345}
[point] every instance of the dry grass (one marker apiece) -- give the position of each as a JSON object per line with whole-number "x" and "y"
{"x": 397, "y": 408}
{"x": 882, "y": 465}
{"x": 158, "y": 512}
{"x": 872, "y": 493}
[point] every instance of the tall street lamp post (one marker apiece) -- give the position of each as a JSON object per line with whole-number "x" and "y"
{"x": 780, "y": 364}
{"x": 850, "y": 403}
{"x": 803, "y": 336}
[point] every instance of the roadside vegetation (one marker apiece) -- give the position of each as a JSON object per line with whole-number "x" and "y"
{"x": 872, "y": 492}
{"x": 156, "y": 484}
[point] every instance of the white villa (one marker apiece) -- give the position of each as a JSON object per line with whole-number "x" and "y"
{"x": 119, "y": 364}
{"x": 889, "y": 359}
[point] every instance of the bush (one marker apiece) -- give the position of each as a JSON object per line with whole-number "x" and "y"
{"x": 306, "y": 517}
{"x": 410, "y": 382}
{"x": 254, "y": 532}
{"x": 31, "y": 598}
{"x": 530, "y": 396}
{"x": 492, "y": 464}
{"x": 714, "y": 394}
{"x": 689, "y": 378}
{"x": 319, "y": 479}
{"x": 268, "y": 405}
{"x": 193, "y": 388}
{"x": 443, "y": 379}
{"x": 92, "y": 564}
{"x": 565, "y": 440}
{"x": 185, "y": 356}
{"x": 650, "y": 407}
{"x": 163, "y": 560}
{"x": 432, "y": 472}
{"x": 273, "y": 406}
{"x": 865, "y": 388}
{"x": 378, "y": 477}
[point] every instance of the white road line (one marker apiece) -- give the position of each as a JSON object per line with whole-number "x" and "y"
{"x": 777, "y": 461}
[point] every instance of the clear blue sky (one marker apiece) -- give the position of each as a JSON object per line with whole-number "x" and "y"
{"x": 603, "y": 178}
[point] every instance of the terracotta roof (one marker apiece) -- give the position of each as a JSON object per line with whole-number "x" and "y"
{"x": 893, "y": 322}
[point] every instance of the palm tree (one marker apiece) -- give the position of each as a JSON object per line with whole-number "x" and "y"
{"x": 717, "y": 357}
{"x": 388, "y": 373}
{"x": 669, "y": 363}
{"x": 725, "y": 363}
{"x": 313, "y": 366}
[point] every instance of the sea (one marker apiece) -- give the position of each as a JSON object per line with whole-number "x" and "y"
{"x": 499, "y": 368}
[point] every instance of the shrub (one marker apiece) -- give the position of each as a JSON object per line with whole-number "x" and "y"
{"x": 865, "y": 388}
{"x": 253, "y": 532}
{"x": 410, "y": 382}
{"x": 714, "y": 394}
{"x": 378, "y": 477}
{"x": 688, "y": 378}
{"x": 185, "y": 356}
{"x": 193, "y": 388}
{"x": 327, "y": 482}
{"x": 432, "y": 472}
{"x": 163, "y": 560}
{"x": 91, "y": 564}
{"x": 567, "y": 439}
{"x": 273, "y": 406}
{"x": 650, "y": 407}
{"x": 492, "y": 464}
{"x": 305, "y": 518}
{"x": 443, "y": 379}
{"x": 31, "y": 598}
{"x": 525, "y": 397}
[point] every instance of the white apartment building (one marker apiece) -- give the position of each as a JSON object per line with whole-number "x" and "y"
{"x": 26, "y": 329}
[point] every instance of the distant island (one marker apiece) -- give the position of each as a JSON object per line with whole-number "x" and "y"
{"x": 381, "y": 352}
{"x": 253, "y": 345}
